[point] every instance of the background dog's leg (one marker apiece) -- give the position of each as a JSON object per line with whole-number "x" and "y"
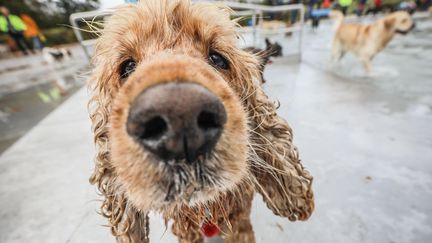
{"x": 337, "y": 52}
{"x": 187, "y": 232}
{"x": 366, "y": 61}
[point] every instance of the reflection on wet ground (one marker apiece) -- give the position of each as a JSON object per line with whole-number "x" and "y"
{"x": 30, "y": 88}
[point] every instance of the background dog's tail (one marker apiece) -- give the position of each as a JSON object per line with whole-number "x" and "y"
{"x": 337, "y": 17}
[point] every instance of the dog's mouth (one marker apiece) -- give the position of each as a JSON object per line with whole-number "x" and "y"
{"x": 183, "y": 178}
{"x": 404, "y": 32}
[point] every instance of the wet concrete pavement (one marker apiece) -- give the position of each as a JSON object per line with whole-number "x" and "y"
{"x": 366, "y": 140}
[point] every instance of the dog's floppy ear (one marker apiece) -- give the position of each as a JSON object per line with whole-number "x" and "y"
{"x": 280, "y": 177}
{"x": 389, "y": 23}
{"x": 127, "y": 224}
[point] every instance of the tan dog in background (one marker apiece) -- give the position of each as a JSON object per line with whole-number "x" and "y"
{"x": 366, "y": 41}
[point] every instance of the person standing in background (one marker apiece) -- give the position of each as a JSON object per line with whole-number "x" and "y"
{"x": 32, "y": 32}
{"x": 360, "y": 7}
{"x": 15, "y": 27}
{"x": 378, "y": 5}
{"x": 310, "y": 8}
{"x": 294, "y": 13}
{"x": 326, "y": 4}
{"x": 272, "y": 15}
{"x": 344, "y": 5}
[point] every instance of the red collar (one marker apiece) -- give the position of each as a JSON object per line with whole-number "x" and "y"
{"x": 209, "y": 229}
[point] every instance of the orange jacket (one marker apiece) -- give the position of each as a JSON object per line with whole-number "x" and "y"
{"x": 32, "y": 28}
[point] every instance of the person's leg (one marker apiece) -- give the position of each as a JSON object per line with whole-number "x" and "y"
{"x": 26, "y": 43}
{"x": 359, "y": 10}
{"x": 309, "y": 11}
{"x": 19, "y": 43}
{"x": 344, "y": 10}
{"x": 294, "y": 14}
{"x": 37, "y": 44}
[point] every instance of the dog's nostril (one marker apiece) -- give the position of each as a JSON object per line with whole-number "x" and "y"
{"x": 154, "y": 128}
{"x": 209, "y": 120}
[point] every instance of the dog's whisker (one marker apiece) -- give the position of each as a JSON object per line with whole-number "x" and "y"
{"x": 182, "y": 176}
{"x": 170, "y": 191}
{"x": 196, "y": 172}
{"x": 261, "y": 115}
{"x": 258, "y": 126}
{"x": 269, "y": 143}
{"x": 248, "y": 94}
{"x": 274, "y": 173}
{"x": 201, "y": 176}
{"x": 261, "y": 164}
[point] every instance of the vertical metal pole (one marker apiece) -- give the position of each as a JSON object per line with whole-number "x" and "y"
{"x": 254, "y": 27}
{"x": 78, "y": 35}
{"x": 302, "y": 13}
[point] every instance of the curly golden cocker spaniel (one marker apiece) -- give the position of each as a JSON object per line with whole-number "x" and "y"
{"x": 183, "y": 127}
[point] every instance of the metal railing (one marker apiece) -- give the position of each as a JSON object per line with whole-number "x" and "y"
{"x": 75, "y": 20}
{"x": 256, "y": 12}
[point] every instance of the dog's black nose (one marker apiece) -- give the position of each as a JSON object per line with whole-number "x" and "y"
{"x": 177, "y": 120}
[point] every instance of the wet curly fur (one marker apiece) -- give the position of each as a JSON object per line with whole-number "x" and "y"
{"x": 171, "y": 40}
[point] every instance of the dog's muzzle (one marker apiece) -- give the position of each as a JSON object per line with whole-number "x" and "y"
{"x": 177, "y": 121}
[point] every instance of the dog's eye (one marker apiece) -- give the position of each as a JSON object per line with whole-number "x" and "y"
{"x": 126, "y": 68}
{"x": 218, "y": 60}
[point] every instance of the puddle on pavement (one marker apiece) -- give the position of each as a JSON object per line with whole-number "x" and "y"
{"x": 22, "y": 110}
